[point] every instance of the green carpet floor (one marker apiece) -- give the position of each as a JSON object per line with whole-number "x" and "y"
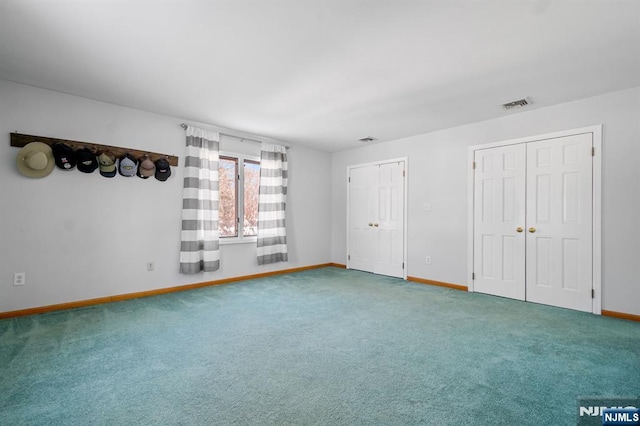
{"x": 321, "y": 347}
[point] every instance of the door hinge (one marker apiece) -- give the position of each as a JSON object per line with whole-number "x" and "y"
{"x": 349, "y": 179}
{"x": 473, "y": 165}
{"x": 593, "y": 151}
{"x": 402, "y": 265}
{"x": 473, "y": 275}
{"x": 593, "y": 294}
{"x": 403, "y": 173}
{"x": 349, "y": 257}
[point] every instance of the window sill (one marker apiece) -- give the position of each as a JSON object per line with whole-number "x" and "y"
{"x": 246, "y": 240}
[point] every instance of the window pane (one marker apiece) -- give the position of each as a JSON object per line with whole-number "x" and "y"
{"x": 251, "y": 189}
{"x": 228, "y": 195}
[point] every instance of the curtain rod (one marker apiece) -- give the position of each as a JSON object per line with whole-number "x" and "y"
{"x": 184, "y": 126}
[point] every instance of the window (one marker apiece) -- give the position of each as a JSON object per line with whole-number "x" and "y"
{"x": 239, "y": 187}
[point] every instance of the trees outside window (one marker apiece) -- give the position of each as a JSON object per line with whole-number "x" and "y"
{"x": 239, "y": 188}
{"x": 251, "y": 192}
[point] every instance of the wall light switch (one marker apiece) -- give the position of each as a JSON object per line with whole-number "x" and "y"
{"x": 426, "y": 207}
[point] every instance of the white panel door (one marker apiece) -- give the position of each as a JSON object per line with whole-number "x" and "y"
{"x": 363, "y": 235}
{"x": 499, "y": 221}
{"x": 376, "y": 218}
{"x": 559, "y": 222}
{"x": 389, "y": 222}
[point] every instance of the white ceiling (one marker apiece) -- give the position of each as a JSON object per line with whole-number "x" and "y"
{"x": 323, "y": 73}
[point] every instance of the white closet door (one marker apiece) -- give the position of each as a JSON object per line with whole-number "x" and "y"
{"x": 390, "y": 219}
{"x": 363, "y": 236}
{"x": 499, "y": 221}
{"x": 559, "y": 222}
{"x": 376, "y": 218}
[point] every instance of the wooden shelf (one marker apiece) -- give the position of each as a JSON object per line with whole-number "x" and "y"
{"x": 19, "y": 140}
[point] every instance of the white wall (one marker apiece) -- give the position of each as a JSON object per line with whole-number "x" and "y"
{"x": 81, "y": 236}
{"x": 438, "y": 175}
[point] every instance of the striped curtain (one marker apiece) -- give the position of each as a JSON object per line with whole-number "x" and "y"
{"x": 199, "y": 249}
{"x": 272, "y": 236}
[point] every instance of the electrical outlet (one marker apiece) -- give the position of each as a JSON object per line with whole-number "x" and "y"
{"x": 150, "y": 266}
{"x": 427, "y": 260}
{"x": 19, "y": 278}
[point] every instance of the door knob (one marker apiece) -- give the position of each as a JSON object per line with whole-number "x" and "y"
{"x": 519, "y": 229}
{"x": 375, "y": 224}
{"x": 370, "y": 224}
{"x": 532, "y": 230}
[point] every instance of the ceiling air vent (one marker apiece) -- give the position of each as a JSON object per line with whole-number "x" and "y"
{"x": 367, "y": 139}
{"x": 516, "y": 104}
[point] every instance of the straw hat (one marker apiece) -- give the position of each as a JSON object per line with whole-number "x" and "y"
{"x": 36, "y": 160}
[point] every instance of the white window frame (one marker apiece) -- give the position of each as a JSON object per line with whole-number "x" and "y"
{"x": 240, "y": 239}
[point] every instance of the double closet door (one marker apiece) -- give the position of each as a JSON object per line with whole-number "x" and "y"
{"x": 533, "y": 224}
{"x": 376, "y": 218}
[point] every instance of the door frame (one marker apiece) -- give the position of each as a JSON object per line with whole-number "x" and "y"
{"x": 596, "y": 131}
{"x": 404, "y": 207}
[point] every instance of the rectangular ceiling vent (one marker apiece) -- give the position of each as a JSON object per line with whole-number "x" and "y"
{"x": 516, "y": 104}
{"x": 367, "y": 139}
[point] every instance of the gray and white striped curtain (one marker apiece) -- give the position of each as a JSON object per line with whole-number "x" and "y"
{"x": 199, "y": 250}
{"x": 272, "y": 236}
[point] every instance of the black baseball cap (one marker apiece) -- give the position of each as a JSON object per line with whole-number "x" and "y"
{"x": 64, "y": 156}
{"x": 86, "y": 160}
{"x": 163, "y": 169}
